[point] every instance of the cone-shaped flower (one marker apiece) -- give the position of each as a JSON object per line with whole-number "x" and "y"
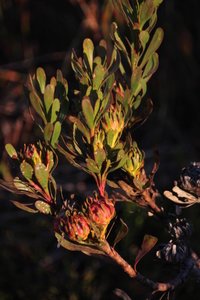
{"x": 113, "y": 125}
{"x": 101, "y": 211}
{"x": 77, "y": 227}
{"x": 135, "y": 161}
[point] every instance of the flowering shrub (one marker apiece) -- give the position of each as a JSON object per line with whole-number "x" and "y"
{"x": 98, "y": 138}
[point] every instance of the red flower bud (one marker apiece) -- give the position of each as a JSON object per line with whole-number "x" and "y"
{"x": 101, "y": 211}
{"x": 77, "y": 227}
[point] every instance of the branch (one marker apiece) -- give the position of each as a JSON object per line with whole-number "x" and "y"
{"x": 186, "y": 268}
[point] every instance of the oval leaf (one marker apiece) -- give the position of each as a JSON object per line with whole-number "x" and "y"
{"x": 88, "y": 50}
{"x": 49, "y": 96}
{"x": 11, "y": 151}
{"x": 26, "y": 169}
{"x": 42, "y": 175}
{"x": 48, "y": 131}
{"x": 92, "y": 166}
{"x": 43, "y": 207}
{"x": 88, "y": 112}
{"x": 41, "y": 78}
{"x": 55, "y": 110}
{"x": 56, "y": 134}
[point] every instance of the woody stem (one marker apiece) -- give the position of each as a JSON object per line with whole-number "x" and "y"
{"x": 119, "y": 260}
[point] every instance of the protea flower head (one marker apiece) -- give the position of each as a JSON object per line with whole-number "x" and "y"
{"x": 77, "y": 227}
{"x": 101, "y": 211}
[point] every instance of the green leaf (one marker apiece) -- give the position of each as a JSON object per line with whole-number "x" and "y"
{"x": 88, "y": 50}
{"x": 49, "y": 96}
{"x": 97, "y": 107}
{"x": 151, "y": 66}
{"x": 99, "y": 156}
{"x": 144, "y": 38}
{"x": 111, "y": 137}
{"x": 146, "y": 11}
{"x": 27, "y": 170}
{"x": 11, "y": 151}
{"x": 153, "y": 46}
{"x": 92, "y": 166}
{"x": 42, "y": 175}
{"x": 37, "y": 105}
{"x": 55, "y": 110}
{"x": 48, "y": 131}
{"x": 43, "y": 207}
{"x": 88, "y": 112}
{"x": 24, "y": 207}
{"x": 99, "y": 73}
{"x": 121, "y": 233}
{"x": 56, "y": 134}
{"x": 148, "y": 243}
{"x": 41, "y": 78}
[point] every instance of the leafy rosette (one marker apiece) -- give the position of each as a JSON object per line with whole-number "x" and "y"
{"x": 36, "y": 164}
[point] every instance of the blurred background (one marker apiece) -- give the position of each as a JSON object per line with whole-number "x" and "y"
{"x": 42, "y": 33}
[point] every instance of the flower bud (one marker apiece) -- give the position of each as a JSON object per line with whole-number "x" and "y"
{"x": 77, "y": 227}
{"x": 101, "y": 211}
{"x": 134, "y": 162}
{"x": 113, "y": 125}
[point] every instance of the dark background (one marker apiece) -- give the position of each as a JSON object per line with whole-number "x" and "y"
{"x": 42, "y": 33}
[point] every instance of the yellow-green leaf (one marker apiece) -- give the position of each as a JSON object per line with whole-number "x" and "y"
{"x": 56, "y": 134}
{"x": 43, "y": 207}
{"x": 88, "y": 50}
{"x": 48, "y": 131}
{"x": 42, "y": 175}
{"x": 11, "y": 151}
{"x": 92, "y": 166}
{"x": 49, "y": 96}
{"x": 88, "y": 112}
{"x": 27, "y": 170}
{"x": 41, "y": 78}
{"x": 55, "y": 110}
